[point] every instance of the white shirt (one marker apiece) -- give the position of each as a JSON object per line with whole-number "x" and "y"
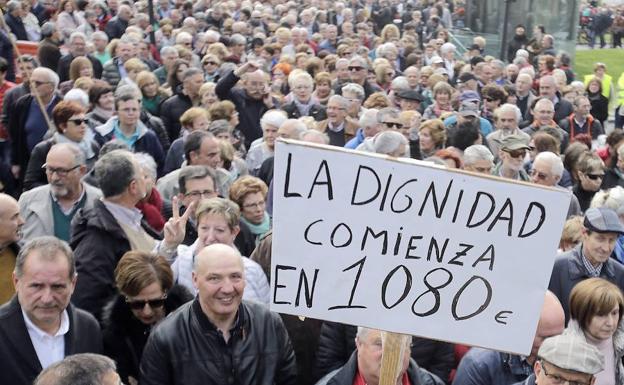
{"x": 49, "y": 348}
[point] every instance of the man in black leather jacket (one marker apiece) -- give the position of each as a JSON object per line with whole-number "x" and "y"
{"x": 218, "y": 338}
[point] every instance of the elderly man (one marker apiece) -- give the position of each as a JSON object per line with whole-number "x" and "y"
{"x": 488, "y": 367}
{"x": 49, "y": 209}
{"x": 568, "y": 359}
{"x": 343, "y": 75}
{"x": 128, "y": 128}
{"x": 547, "y": 170}
{"x": 116, "y": 26}
{"x": 506, "y": 119}
{"x": 113, "y": 226}
{"x": 11, "y": 223}
{"x": 13, "y": 20}
{"x": 543, "y": 114}
{"x": 358, "y": 67}
{"x": 338, "y": 126}
{"x": 354, "y": 93}
{"x": 201, "y": 148}
{"x": 48, "y": 50}
{"x": 233, "y": 333}
{"x": 513, "y": 150}
{"x": 113, "y": 71}
{"x": 548, "y": 90}
{"x": 168, "y": 55}
{"x": 591, "y": 258}
{"x": 86, "y": 368}
{"x": 468, "y": 111}
{"x": 251, "y": 102}
{"x": 27, "y": 123}
{"x": 412, "y": 74}
{"x": 77, "y": 47}
{"x": 364, "y": 365}
{"x": 478, "y": 158}
{"x": 524, "y": 94}
{"x": 331, "y": 39}
{"x": 173, "y": 108}
{"x": 39, "y": 326}
{"x": 581, "y": 122}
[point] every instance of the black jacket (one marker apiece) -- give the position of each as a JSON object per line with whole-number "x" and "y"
{"x": 49, "y": 54}
{"x": 346, "y": 374}
{"x": 125, "y": 336}
{"x": 170, "y": 112}
{"x": 186, "y": 348}
{"x": 337, "y": 342}
{"x": 98, "y": 243}
{"x": 64, "y": 62}
{"x": 250, "y": 110}
{"x": 115, "y": 28}
{"x": 19, "y": 363}
{"x": 16, "y": 25}
{"x": 316, "y": 111}
{"x": 594, "y": 129}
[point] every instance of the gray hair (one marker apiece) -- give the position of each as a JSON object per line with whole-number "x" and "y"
{"x": 399, "y": 83}
{"x": 300, "y": 78}
{"x": 220, "y": 126}
{"x": 77, "y": 369}
{"x": 13, "y": 5}
{"x": 99, "y": 35}
{"x": 508, "y": 107}
{"x": 114, "y": 172}
{"x": 48, "y": 248}
{"x": 389, "y": 142}
{"x": 213, "y": 34}
{"x": 51, "y": 75}
{"x": 79, "y": 155}
{"x": 447, "y": 47}
{"x": 612, "y": 198}
{"x": 383, "y": 49}
{"x": 477, "y": 152}
{"x": 237, "y": 38}
{"x": 497, "y": 63}
{"x": 194, "y": 172}
{"x": 360, "y": 60}
{"x": 166, "y": 50}
{"x": 556, "y": 164}
{"x": 147, "y": 163}
{"x": 273, "y": 117}
{"x": 127, "y": 92}
{"x": 369, "y": 118}
{"x": 311, "y": 133}
{"x": 355, "y": 89}
{"x": 78, "y": 95}
{"x": 77, "y": 35}
{"x": 388, "y": 111}
{"x": 340, "y": 99}
{"x": 192, "y": 71}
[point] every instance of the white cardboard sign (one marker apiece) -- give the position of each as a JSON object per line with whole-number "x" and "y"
{"x": 412, "y": 248}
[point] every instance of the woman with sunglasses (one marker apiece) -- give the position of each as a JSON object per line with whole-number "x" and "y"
{"x": 596, "y": 309}
{"x": 71, "y": 127}
{"x": 590, "y": 173}
{"x": 146, "y": 295}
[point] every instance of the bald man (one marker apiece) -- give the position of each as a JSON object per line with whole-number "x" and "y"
{"x": 10, "y": 233}
{"x": 220, "y": 328}
{"x": 251, "y": 101}
{"x": 488, "y": 367}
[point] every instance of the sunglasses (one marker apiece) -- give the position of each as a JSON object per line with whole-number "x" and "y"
{"x": 595, "y": 176}
{"x": 516, "y": 153}
{"x": 355, "y": 68}
{"x": 79, "y": 121}
{"x": 140, "y": 304}
{"x": 393, "y": 124}
{"x": 210, "y": 62}
{"x": 489, "y": 99}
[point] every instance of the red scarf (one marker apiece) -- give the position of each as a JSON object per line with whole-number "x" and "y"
{"x": 152, "y": 210}
{"x": 359, "y": 380}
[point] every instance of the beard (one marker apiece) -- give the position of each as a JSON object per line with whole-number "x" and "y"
{"x": 59, "y": 191}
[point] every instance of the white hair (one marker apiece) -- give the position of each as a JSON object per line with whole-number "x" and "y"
{"x": 147, "y": 163}
{"x": 612, "y": 198}
{"x": 389, "y": 142}
{"x": 522, "y": 53}
{"x": 354, "y": 88}
{"x": 75, "y": 35}
{"x": 399, "y": 83}
{"x": 369, "y": 118}
{"x": 77, "y": 95}
{"x": 447, "y": 47}
{"x": 273, "y": 117}
{"x": 477, "y": 152}
{"x": 556, "y": 164}
{"x": 511, "y": 107}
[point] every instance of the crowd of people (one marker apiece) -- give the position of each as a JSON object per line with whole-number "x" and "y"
{"x": 136, "y": 170}
{"x": 600, "y": 20}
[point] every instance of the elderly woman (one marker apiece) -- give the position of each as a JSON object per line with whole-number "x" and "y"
{"x": 210, "y": 64}
{"x": 153, "y": 93}
{"x": 596, "y": 309}
{"x": 218, "y": 222}
{"x": 151, "y": 206}
{"x": 431, "y": 137}
{"x": 391, "y": 143}
{"x": 263, "y": 148}
{"x": 590, "y": 173}
{"x": 250, "y": 193}
{"x": 146, "y": 295}
{"x": 193, "y": 119}
{"x": 301, "y": 84}
{"x": 442, "y": 93}
{"x": 71, "y": 127}
{"x": 322, "y": 88}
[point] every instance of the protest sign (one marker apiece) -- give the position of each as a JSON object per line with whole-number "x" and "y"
{"x": 409, "y": 247}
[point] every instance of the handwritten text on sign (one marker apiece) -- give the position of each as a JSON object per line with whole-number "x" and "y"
{"x": 411, "y": 248}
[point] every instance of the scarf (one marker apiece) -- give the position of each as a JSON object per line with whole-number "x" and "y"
{"x": 84, "y": 144}
{"x": 151, "y": 209}
{"x": 304, "y": 108}
{"x": 260, "y": 229}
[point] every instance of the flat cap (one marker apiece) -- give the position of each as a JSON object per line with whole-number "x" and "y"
{"x": 513, "y": 142}
{"x": 410, "y": 95}
{"x": 571, "y": 352}
{"x": 603, "y": 220}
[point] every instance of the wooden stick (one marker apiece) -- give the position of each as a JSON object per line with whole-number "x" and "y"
{"x": 32, "y": 92}
{"x": 394, "y": 345}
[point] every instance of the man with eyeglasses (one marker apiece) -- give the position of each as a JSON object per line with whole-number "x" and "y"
{"x": 513, "y": 150}
{"x": 38, "y": 326}
{"x": 358, "y": 68}
{"x": 547, "y": 169}
{"x": 338, "y": 126}
{"x": 581, "y": 121}
{"x": 566, "y": 359}
{"x": 542, "y": 116}
{"x": 591, "y": 258}
{"x": 49, "y": 209}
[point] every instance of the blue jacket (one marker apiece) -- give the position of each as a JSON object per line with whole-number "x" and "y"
{"x": 488, "y": 367}
{"x": 357, "y": 140}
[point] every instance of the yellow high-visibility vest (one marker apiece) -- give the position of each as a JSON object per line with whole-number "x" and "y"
{"x": 620, "y": 85}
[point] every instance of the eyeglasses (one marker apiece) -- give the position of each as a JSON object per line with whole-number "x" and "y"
{"x": 79, "y": 121}
{"x": 393, "y": 124}
{"x": 539, "y": 175}
{"x": 516, "y": 153}
{"x": 38, "y": 83}
{"x": 355, "y": 68}
{"x": 558, "y": 380}
{"x": 595, "y": 176}
{"x": 139, "y": 304}
{"x": 200, "y": 194}
{"x": 62, "y": 172}
{"x": 254, "y": 205}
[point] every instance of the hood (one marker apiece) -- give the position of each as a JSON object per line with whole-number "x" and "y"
{"x": 108, "y": 127}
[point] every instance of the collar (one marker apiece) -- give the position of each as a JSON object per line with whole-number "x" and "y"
{"x": 75, "y": 203}
{"x": 206, "y": 324}
{"x": 339, "y": 128}
{"x": 593, "y": 271}
{"x": 63, "y": 329}
{"x": 131, "y": 217}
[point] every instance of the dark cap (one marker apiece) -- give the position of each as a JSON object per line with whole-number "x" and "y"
{"x": 466, "y": 76}
{"x": 469, "y": 109}
{"x": 410, "y": 95}
{"x": 469, "y": 96}
{"x": 603, "y": 220}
